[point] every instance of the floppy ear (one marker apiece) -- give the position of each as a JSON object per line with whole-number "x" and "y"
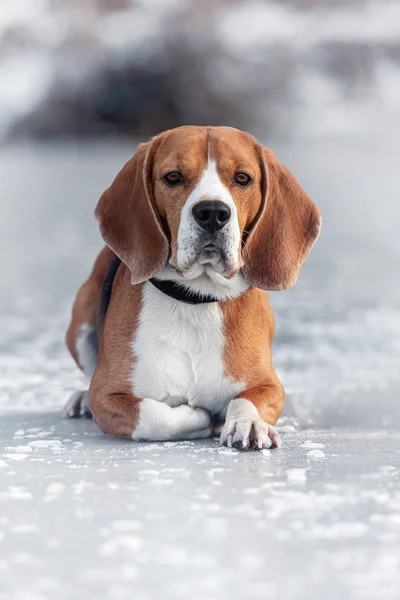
{"x": 284, "y": 230}
{"x": 128, "y": 219}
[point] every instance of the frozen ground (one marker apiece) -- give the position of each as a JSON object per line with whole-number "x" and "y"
{"x": 82, "y": 516}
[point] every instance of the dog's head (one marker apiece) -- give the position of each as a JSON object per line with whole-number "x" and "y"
{"x": 209, "y": 201}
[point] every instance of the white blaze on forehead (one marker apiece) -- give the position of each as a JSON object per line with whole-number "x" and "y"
{"x": 210, "y": 187}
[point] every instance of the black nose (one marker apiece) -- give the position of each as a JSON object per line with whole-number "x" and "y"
{"x": 211, "y": 215}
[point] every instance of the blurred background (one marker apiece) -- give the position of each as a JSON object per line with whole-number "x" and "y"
{"x": 135, "y": 67}
{"x": 83, "y": 81}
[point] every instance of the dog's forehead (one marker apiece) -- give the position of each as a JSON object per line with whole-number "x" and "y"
{"x": 193, "y": 146}
{"x": 226, "y": 144}
{"x": 181, "y": 146}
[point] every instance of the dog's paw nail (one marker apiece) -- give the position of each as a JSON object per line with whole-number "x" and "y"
{"x": 275, "y": 439}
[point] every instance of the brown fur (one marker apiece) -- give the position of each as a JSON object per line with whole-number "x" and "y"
{"x": 86, "y": 305}
{"x": 285, "y": 230}
{"x": 139, "y": 219}
{"x": 111, "y": 402}
{"x": 249, "y": 331}
{"x": 129, "y": 222}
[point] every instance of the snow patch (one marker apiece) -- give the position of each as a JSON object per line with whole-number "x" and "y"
{"x": 16, "y": 457}
{"x": 45, "y": 443}
{"x": 309, "y": 444}
{"x": 316, "y": 454}
{"x": 298, "y": 475}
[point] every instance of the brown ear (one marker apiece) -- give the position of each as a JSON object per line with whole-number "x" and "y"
{"x": 128, "y": 219}
{"x": 284, "y": 231}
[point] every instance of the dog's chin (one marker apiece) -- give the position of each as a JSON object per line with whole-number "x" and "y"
{"x": 209, "y": 263}
{"x": 211, "y": 255}
{"x": 208, "y": 273}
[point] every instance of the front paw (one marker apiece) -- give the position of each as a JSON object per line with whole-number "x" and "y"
{"x": 247, "y": 434}
{"x": 198, "y": 418}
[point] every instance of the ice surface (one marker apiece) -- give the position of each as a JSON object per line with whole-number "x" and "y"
{"x": 85, "y": 516}
{"x": 231, "y": 526}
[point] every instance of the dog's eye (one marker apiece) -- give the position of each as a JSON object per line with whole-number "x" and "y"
{"x": 242, "y": 179}
{"x": 173, "y": 178}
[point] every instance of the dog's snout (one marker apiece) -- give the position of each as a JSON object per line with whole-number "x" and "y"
{"x": 211, "y": 215}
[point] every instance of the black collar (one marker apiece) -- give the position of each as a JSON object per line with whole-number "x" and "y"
{"x": 179, "y": 292}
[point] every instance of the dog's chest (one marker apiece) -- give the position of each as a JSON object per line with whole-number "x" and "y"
{"x": 178, "y": 354}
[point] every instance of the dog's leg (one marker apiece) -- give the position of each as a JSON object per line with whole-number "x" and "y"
{"x": 251, "y": 417}
{"x": 148, "y": 420}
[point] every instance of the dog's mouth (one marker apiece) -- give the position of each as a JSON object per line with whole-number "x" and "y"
{"x": 210, "y": 259}
{"x": 211, "y": 255}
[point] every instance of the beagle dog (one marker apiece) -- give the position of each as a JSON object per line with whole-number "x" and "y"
{"x": 174, "y": 326}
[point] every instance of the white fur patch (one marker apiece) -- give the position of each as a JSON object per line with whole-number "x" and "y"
{"x": 86, "y": 350}
{"x": 178, "y": 352}
{"x": 244, "y": 427}
{"x": 159, "y": 422}
{"x": 209, "y": 186}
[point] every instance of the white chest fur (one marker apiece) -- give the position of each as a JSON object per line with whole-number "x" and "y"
{"x": 178, "y": 351}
